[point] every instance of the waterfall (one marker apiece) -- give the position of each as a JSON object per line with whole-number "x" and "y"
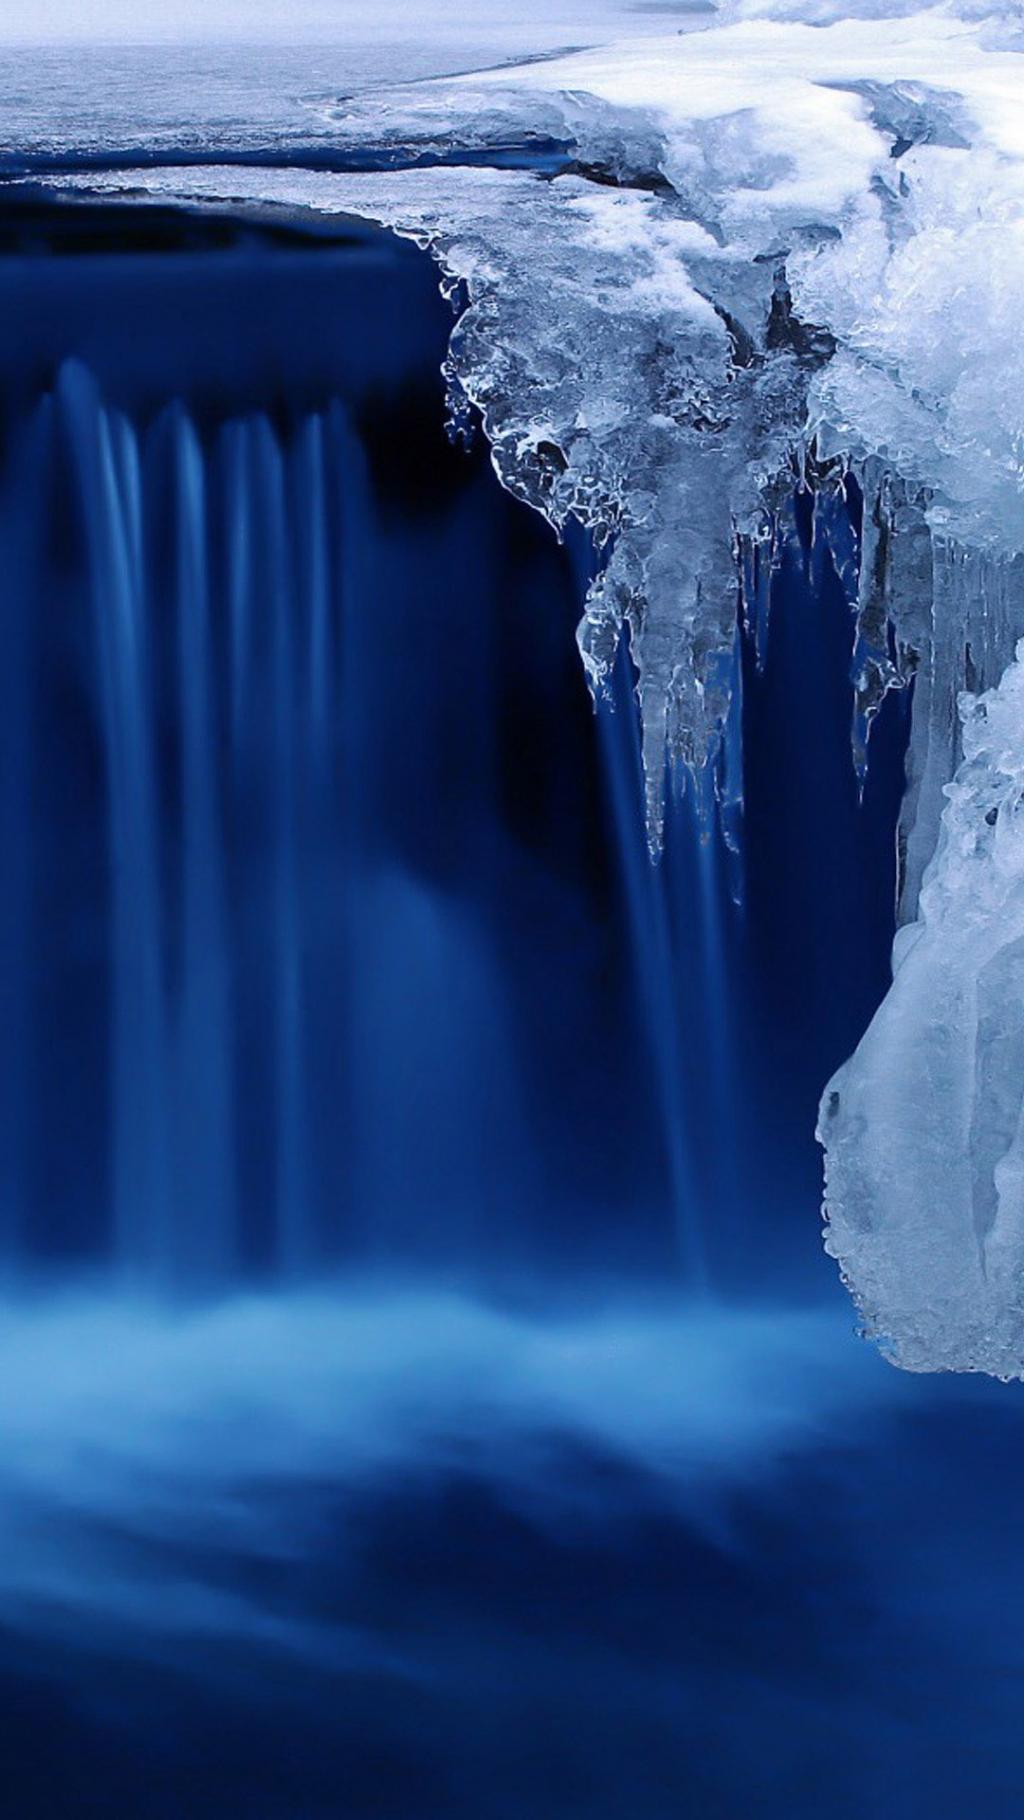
{"x": 105, "y": 460}
{"x": 309, "y": 1045}
{"x": 331, "y": 937}
{"x": 266, "y": 1020}
{"x": 201, "y": 596}
{"x": 203, "y": 1173}
{"x": 19, "y": 533}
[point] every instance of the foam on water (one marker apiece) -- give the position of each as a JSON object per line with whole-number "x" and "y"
{"x": 132, "y": 1427}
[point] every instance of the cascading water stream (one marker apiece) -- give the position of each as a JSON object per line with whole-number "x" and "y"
{"x": 18, "y": 526}
{"x": 204, "y": 1174}
{"x": 105, "y": 461}
{"x": 159, "y": 668}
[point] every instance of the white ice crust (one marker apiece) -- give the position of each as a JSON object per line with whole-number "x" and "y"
{"x": 790, "y": 246}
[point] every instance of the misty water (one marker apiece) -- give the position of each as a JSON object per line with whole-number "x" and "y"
{"x": 422, "y": 1390}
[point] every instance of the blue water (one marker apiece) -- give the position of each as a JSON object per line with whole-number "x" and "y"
{"x": 422, "y": 1390}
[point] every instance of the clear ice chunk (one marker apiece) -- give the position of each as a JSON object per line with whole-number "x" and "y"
{"x": 924, "y": 1127}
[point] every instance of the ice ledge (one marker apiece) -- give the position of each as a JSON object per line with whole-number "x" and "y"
{"x": 807, "y": 241}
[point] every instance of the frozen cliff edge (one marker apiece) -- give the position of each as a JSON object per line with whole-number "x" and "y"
{"x": 753, "y": 275}
{"x": 781, "y": 254}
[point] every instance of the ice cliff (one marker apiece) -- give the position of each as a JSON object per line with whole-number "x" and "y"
{"x": 782, "y": 250}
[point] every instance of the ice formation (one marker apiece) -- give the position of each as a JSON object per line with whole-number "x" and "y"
{"x": 924, "y": 1127}
{"x": 780, "y": 248}
{"x": 765, "y": 281}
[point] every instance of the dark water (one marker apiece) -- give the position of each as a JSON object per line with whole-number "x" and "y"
{"x": 422, "y": 1392}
